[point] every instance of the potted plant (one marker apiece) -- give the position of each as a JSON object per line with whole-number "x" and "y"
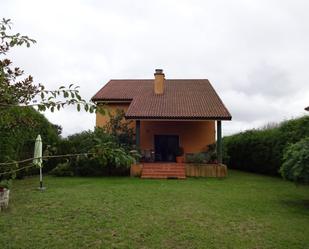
{"x": 136, "y": 166}
{"x": 4, "y": 193}
{"x": 180, "y": 155}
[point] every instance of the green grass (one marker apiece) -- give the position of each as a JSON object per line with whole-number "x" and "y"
{"x": 242, "y": 211}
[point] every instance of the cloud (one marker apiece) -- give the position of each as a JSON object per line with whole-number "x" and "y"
{"x": 255, "y": 53}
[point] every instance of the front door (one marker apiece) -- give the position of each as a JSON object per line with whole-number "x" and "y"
{"x": 166, "y": 147}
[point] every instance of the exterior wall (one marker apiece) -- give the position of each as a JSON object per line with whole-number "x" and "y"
{"x": 194, "y": 136}
{"x": 101, "y": 119}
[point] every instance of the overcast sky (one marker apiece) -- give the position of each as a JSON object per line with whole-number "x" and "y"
{"x": 254, "y": 52}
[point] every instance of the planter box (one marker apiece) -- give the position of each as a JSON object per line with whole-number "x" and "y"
{"x": 136, "y": 170}
{"x": 206, "y": 170}
{"x": 4, "y": 198}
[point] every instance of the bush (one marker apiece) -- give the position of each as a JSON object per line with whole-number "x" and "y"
{"x": 7, "y": 183}
{"x": 295, "y": 165}
{"x": 109, "y": 147}
{"x": 109, "y": 156}
{"x": 196, "y": 158}
{"x": 208, "y": 156}
{"x": 62, "y": 169}
{"x": 19, "y": 129}
{"x": 261, "y": 151}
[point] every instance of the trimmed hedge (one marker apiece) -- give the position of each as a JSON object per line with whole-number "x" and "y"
{"x": 261, "y": 151}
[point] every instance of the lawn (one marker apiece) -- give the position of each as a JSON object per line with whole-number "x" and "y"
{"x": 243, "y": 211}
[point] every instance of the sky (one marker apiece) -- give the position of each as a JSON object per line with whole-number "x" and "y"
{"x": 254, "y": 52}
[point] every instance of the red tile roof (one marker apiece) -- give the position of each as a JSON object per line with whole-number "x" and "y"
{"x": 182, "y": 99}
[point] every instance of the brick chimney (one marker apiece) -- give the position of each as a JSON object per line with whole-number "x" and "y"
{"x": 159, "y": 81}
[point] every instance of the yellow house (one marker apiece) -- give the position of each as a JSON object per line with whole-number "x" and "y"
{"x": 167, "y": 113}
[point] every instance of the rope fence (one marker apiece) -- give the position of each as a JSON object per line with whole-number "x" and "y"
{"x": 31, "y": 159}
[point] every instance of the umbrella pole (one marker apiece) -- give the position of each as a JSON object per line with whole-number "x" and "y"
{"x": 41, "y": 178}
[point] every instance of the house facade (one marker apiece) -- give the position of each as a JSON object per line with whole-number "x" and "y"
{"x": 167, "y": 114}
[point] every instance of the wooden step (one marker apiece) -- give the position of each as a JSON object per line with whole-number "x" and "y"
{"x": 163, "y": 171}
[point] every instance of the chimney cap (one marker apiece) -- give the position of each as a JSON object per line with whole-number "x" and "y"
{"x": 159, "y": 71}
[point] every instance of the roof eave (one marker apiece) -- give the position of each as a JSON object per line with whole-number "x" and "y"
{"x": 111, "y": 100}
{"x": 170, "y": 118}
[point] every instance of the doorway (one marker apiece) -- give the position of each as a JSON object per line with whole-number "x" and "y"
{"x": 166, "y": 147}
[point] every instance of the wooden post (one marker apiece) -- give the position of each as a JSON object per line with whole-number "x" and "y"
{"x": 219, "y": 141}
{"x": 138, "y": 134}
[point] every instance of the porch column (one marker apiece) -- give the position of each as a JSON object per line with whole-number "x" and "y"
{"x": 138, "y": 133}
{"x": 219, "y": 141}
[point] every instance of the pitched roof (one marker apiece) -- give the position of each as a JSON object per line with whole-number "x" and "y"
{"x": 182, "y": 99}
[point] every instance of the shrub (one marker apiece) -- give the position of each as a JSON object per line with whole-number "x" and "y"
{"x": 261, "y": 151}
{"x": 295, "y": 165}
{"x": 108, "y": 157}
{"x": 110, "y": 147}
{"x": 196, "y": 158}
{"x": 179, "y": 151}
{"x": 6, "y": 183}
{"x": 62, "y": 169}
{"x": 208, "y": 156}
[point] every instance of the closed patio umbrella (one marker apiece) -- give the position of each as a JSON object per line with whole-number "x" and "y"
{"x": 38, "y": 161}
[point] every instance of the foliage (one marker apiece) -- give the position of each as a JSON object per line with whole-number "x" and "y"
{"x": 120, "y": 128}
{"x": 6, "y": 183}
{"x": 18, "y": 91}
{"x": 111, "y": 153}
{"x": 262, "y": 150}
{"x": 196, "y": 158}
{"x": 19, "y": 122}
{"x": 208, "y": 156}
{"x": 19, "y": 129}
{"x": 179, "y": 151}
{"x": 62, "y": 169}
{"x": 103, "y": 154}
{"x": 295, "y": 165}
{"x": 212, "y": 153}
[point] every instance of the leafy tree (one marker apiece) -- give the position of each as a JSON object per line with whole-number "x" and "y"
{"x": 18, "y": 91}
{"x": 120, "y": 128}
{"x": 295, "y": 165}
{"x": 19, "y": 95}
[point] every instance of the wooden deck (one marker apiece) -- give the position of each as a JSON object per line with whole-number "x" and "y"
{"x": 177, "y": 170}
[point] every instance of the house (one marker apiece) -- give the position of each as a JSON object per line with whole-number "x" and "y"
{"x": 167, "y": 113}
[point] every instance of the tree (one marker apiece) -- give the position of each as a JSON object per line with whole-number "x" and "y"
{"x": 120, "y": 128}
{"x": 18, "y": 91}
{"x": 18, "y": 131}
{"x": 19, "y": 95}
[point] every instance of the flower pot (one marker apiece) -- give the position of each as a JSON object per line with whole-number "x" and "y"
{"x": 4, "y": 198}
{"x": 180, "y": 159}
{"x": 136, "y": 170}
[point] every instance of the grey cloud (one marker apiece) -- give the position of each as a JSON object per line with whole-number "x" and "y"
{"x": 269, "y": 81}
{"x": 255, "y": 53}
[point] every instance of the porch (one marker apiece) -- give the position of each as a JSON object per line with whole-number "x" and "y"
{"x": 161, "y": 141}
